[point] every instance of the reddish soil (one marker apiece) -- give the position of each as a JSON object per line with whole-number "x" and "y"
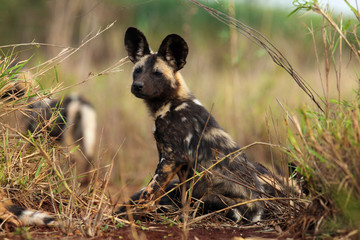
{"x": 152, "y": 232}
{"x": 166, "y": 232}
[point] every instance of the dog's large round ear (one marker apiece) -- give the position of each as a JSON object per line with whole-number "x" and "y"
{"x": 136, "y": 44}
{"x": 174, "y": 50}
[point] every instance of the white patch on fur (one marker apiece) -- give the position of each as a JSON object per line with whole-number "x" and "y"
{"x": 181, "y": 106}
{"x": 197, "y": 127}
{"x": 72, "y": 109}
{"x": 169, "y": 57}
{"x": 237, "y": 215}
{"x": 154, "y": 128}
{"x": 183, "y": 119}
{"x": 188, "y": 138}
{"x": 163, "y": 111}
{"x": 196, "y": 101}
{"x": 187, "y": 141}
{"x": 214, "y": 134}
{"x": 32, "y": 217}
{"x": 88, "y": 121}
{"x": 258, "y": 216}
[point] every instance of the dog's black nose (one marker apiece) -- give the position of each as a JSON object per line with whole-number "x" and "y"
{"x": 137, "y": 87}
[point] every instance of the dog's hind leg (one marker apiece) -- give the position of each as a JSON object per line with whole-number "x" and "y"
{"x": 233, "y": 209}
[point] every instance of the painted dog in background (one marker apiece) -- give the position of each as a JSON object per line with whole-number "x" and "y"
{"x": 69, "y": 120}
{"x": 72, "y": 120}
{"x": 189, "y": 139}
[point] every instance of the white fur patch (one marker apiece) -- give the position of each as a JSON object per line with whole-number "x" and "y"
{"x": 88, "y": 122}
{"x": 32, "y": 217}
{"x": 258, "y": 216}
{"x": 183, "y": 119}
{"x": 214, "y": 134}
{"x": 196, "y": 101}
{"x": 188, "y": 138}
{"x": 181, "y": 106}
{"x": 73, "y": 108}
{"x": 163, "y": 111}
{"x": 237, "y": 215}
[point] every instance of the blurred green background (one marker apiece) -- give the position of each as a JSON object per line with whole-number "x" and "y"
{"x": 226, "y": 71}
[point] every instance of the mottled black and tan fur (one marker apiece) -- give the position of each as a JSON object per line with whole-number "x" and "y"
{"x": 189, "y": 138}
{"x": 71, "y": 120}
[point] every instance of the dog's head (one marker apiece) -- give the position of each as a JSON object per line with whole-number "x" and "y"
{"x": 155, "y": 74}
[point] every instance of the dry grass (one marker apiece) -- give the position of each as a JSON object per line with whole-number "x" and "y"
{"x": 34, "y": 168}
{"x": 37, "y": 172}
{"x": 327, "y": 154}
{"x": 325, "y": 146}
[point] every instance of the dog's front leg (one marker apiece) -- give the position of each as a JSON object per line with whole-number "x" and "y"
{"x": 164, "y": 173}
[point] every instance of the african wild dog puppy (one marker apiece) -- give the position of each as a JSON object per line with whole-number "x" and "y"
{"x": 188, "y": 138}
{"x": 80, "y": 118}
{"x": 69, "y": 120}
{"x": 72, "y": 120}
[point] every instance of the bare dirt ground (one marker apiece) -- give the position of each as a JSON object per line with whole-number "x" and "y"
{"x": 152, "y": 231}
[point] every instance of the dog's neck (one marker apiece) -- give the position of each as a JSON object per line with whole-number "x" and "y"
{"x": 181, "y": 92}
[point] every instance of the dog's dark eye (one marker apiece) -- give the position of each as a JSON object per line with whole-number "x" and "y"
{"x": 158, "y": 73}
{"x": 138, "y": 70}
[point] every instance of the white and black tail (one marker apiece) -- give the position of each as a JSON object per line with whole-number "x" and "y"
{"x": 19, "y": 216}
{"x": 30, "y": 217}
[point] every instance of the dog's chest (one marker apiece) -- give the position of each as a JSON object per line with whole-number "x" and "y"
{"x": 169, "y": 128}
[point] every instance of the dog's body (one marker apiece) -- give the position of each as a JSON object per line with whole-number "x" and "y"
{"x": 188, "y": 138}
{"x": 72, "y": 117}
{"x": 72, "y": 121}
